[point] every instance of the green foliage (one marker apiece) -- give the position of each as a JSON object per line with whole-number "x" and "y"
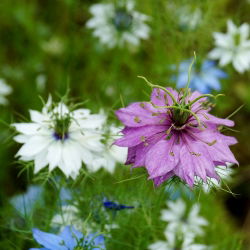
{"x": 46, "y": 48}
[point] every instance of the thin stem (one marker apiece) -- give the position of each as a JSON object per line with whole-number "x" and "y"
{"x": 205, "y": 95}
{"x": 236, "y": 111}
{"x": 189, "y": 77}
{"x": 159, "y": 87}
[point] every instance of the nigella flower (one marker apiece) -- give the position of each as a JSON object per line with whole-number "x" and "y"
{"x": 68, "y": 215}
{"x": 115, "y": 206}
{"x": 68, "y": 239}
{"x": 204, "y": 76}
{"x": 26, "y": 203}
{"x": 177, "y": 190}
{"x": 181, "y": 220}
{"x": 111, "y": 154}
{"x": 118, "y": 25}
{"x": 233, "y": 47}
{"x": 60, "y": 137}
{"x": 175, "y": 135}
{"x": 188, "y": 18}
{"x": 5, "y": 90}
{"x": 174, "y": 242}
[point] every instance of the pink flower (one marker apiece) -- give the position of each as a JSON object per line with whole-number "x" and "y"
{"x": 175, "y": 135}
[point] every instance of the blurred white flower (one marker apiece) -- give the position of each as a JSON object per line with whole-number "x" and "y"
{"x": 5, "y": 90}
{"x": 189, "y": 18}
{"x": 111, "y": 154}
{"x": 118, "y": 25}
{"x": 181, "y": 220}
{"x": 53, "y": 46}
{"x": 67, "y": 216}
{"x": 41, "y": 82}
{"x": 59, "y": 137}
{"x": 174, "y": 242}
{"x": 224, "y": 172}
{"x": 233, "y": 47}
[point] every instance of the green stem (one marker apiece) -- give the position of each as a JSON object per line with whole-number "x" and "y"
{"x": 159, "y": 87}
{"x": 189, "y": 77}
{"x": 205, "y": 95}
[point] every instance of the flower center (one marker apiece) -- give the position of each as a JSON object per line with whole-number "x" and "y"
{"x": 237, "y": 39}
{"x": 122, "y": 20}
{"x": 61, "y": 128}
{"x": 179, "y": 118}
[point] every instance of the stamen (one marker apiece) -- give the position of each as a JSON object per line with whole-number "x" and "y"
{"x": 196, "y": 154}
{"x": 137, "y": 119}
{"x": 142, "y": 105}
{"x": 211, "y": 143}
{"x": 143, "y": 138}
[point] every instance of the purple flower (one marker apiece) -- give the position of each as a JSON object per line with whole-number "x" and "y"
{"x": 68, "y": 239}
{"x": 174, "y": 135}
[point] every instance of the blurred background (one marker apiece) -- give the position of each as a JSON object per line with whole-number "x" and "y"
{"x": 45, "y": 47}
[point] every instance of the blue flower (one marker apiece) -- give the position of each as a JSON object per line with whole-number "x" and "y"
{"x": 65, "y": 196}
{"x": 204, "y": 77}
{"x": 177, "y": 191}
{"x": 68, "y": 239}
{"x": 115, "y": 206}
{"x": 25, "y": 203}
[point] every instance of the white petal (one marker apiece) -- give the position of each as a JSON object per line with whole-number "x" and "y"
{"x": 27, "y": 128}
{"x": 37, "y": 117}
{"x": 34, "y": 145}
{"x": 231, "y": 27}
{"x": 54, "y": 155}
{"x": 40, "y": 161}
{"x": 226, "y": 58}
{"x": 21, "y": 138}
{"x": 71, "y": 154}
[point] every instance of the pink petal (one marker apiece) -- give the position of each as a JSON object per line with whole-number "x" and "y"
{"x": 162, "y": 157}
{"x": 135, "y": 136}
{"x": 141, "y": 114}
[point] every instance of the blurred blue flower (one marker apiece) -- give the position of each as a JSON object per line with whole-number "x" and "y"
{"x": 65, "y": 196}
{"x": 68, "y": 239}
{"x": 179, "y": 190}
{"x": 204, "y": 76}
{"x": 25, "y": 203}
{"x": 115, "y": 206}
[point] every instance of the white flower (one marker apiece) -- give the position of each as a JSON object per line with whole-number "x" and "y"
{"x": 189, "y": 18}
{"x": 58, "y": 137}
{"x": 233, "y": 47}
{"x": 224, "y": 172}
{"x": 5, "y": 90}
{"x": 41, "y": 80}
{"x": 118, "y": 25}
{"x": 53, "y": 46}
{"x": 111, "y": 154}
{"x": 173, "y": 243}
{"x": 180, "y": 220}
{"x": 67, "y": 216}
